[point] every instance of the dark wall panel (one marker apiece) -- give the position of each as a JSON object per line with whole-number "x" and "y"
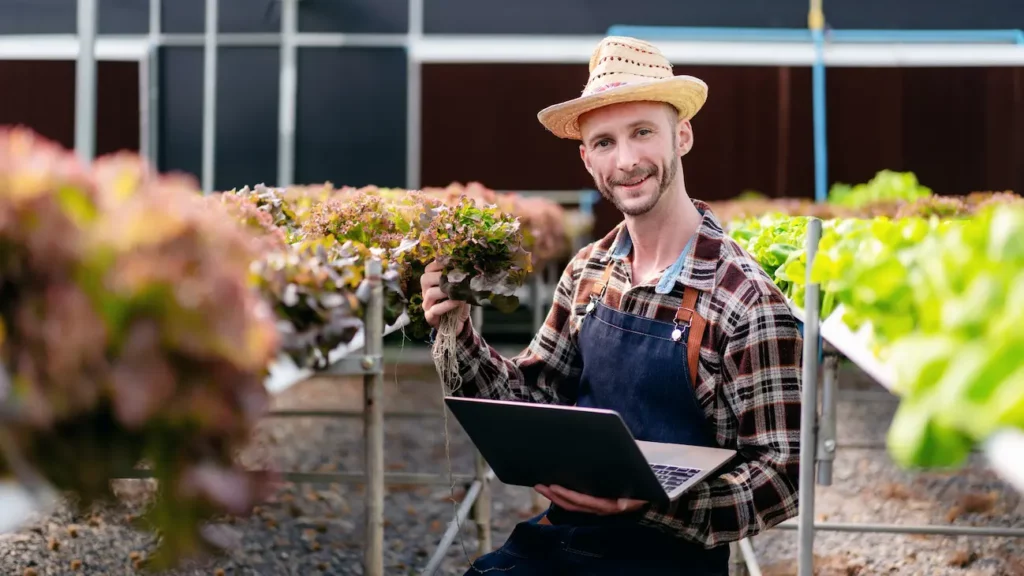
{"x": 37, "y": 16}
{"x": 924, "y": 14}
{"x": 46, "y": 102}
{"x": 246, "y": 117}
{"x": 491, "y": 133}
{"x": 182, "y": 17}
{"x": 60, "y": 16}
{"x": 351, "y": 116}
{"x": 181, "y": 110}
{"x": 519, "y": 17}
{"x": 189, "y": 16}
{"x": 247, "y": 100}
{"x": 479, "y": 123}
{"x": 122, "y": 17}
{"x": 596, "y": 16}
{"x": 959, "y": 130}
{"x": 364, "y": 16}
{"x": 117, "y": 107}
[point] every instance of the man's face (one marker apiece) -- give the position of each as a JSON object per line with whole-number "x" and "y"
{"x": 632, "y": 150}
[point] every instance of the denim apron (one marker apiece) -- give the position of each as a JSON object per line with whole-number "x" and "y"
{"x": 637, "y": 367}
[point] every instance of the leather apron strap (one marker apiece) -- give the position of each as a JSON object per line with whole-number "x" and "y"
{"x": 686, "y": 315}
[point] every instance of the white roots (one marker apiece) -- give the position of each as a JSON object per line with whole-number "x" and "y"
{"x": 444, "y": 353}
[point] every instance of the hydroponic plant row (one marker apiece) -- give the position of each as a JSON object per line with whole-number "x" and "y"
{"x": 139, "y": 319}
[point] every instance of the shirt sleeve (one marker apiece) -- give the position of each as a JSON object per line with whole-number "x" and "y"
{"x": 547, "y": 371}
{"x": 761, "y": 372}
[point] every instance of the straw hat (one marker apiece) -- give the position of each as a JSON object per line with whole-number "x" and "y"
{"x": 626, "y": 70}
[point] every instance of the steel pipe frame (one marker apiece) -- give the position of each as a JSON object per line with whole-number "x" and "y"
{"x": 85, "y": 81}
{"x": 870, "y": 528}
{"x": 358, "y": 477}
{"x": 288, "y": 85}
{"x": 210, "y": 95}
{"x": 809, "y": 409}
{"x": 461, "y": 514}
{"x": 152, "y": 119}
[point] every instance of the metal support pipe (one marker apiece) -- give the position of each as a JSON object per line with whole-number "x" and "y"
{"x": 152, "y": 118}
{"x": 737, "y": 567}
{"x": 288, "y": 86}
{"x": 374, "y": 425}
{"x": 145, "y": 114}
{"x": 809, "y": 408}
{"x": 210, "y": 95}
{"x": 461, "y": 513}
{"x": 978, "y": 531}
{"x": 482, "y": 510}
{"x": 537, "y": 500}
{"x": 826, "y": 447}
{"x": 749, "y": 557}
{"x": 478, "y": 318}
{"x": 390, "y": 479}
{"x": 85, "y": 82}
{"x": 414, "y": 100}
{"x": 538, "y": 307}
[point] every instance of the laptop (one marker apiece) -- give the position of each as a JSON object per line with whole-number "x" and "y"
{"x": 588, "y": 450}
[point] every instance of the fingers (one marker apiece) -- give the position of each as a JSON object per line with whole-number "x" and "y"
{"x": 628, "y": 505}
{"x": 590, "y": 503}
{"x": 575, "y": 502}
{"x": 432, "y": 296}
{"x": 433, "y": 266}
{"x": 561, "y": 503}
{"x": 434, "y": 313}
{"x": 429, "y": 280}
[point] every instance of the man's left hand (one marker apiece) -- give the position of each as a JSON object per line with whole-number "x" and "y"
{"x": 576, "y": 502}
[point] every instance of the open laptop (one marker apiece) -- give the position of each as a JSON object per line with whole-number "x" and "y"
{"x": 587, "y": 450}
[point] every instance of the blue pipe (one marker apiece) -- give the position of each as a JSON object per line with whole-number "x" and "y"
{"x": 818, "y": 99}
{"x": 932, "y": 36}
{"x": 805, "y": 35}
{"x": 587, "y": 200}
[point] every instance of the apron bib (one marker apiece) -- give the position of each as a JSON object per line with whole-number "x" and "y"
{"x": 645, "y": 370}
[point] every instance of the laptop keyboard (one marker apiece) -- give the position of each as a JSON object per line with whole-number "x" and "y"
{"x": 672, "y": 477}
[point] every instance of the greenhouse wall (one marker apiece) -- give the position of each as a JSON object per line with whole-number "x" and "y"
{"x": 479, "y": 121}
{"x": 520, "y": 17}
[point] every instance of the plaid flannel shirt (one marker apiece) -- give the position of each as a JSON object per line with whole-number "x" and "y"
{"x": 748, "y": 379}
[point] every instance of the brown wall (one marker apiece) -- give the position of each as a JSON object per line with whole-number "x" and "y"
{"x": 41, "y": 95}
{"x": 958, "y": 129}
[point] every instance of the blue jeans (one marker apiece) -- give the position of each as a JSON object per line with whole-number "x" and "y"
{"x": 599, "y": 550}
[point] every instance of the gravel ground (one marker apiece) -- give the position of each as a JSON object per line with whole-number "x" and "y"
{"x": 306, "y": 530}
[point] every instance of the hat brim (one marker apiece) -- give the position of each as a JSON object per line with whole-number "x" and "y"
{"x": 686, "y": 93}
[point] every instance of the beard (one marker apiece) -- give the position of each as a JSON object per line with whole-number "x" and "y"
{"x": 664, "y": 175}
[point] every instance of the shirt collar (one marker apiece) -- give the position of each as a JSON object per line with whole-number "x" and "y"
{"x": 698, "y": 270}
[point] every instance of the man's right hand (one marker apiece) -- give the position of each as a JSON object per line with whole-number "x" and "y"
{"x": 435, "y": 303}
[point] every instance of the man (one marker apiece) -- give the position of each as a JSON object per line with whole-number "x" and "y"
{"x": 665, "y": 320}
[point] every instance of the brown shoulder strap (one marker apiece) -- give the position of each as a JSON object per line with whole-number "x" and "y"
{"x": 687, "y": 314}
{"x": 603, "y": 282}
